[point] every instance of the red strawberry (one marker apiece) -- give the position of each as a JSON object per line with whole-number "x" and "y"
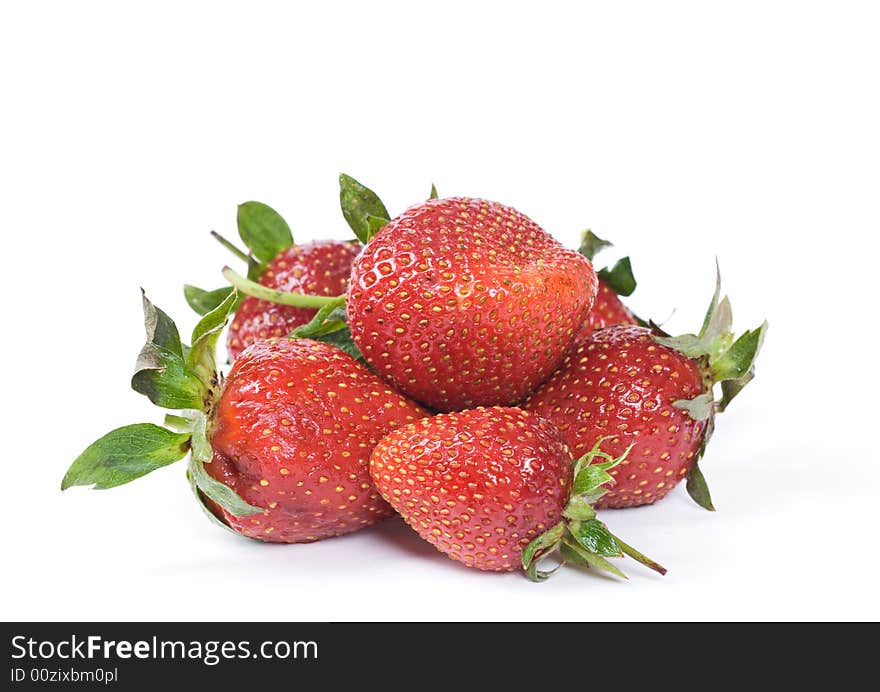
{"x": 462, "y": 302}
{"x": 292, "y": 433}
{"x": 279, "y": 453}
{"x": 321, "y": 268}
{"x": 617, "y": 281}
{"x": 652, "y": 392}
{"x": 492, "y": 488}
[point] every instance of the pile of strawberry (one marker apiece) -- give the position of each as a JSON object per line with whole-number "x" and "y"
{"x": 455, "y": 365}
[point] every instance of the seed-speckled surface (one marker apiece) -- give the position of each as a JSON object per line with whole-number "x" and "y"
{"x": 479, "y": 484}
{"x": 293, "y": 432}
{"x": 319, "y": 268}
{"x": 620, "y": 382}
{"x": 463, "y": 302}
{"x": 608, "y": 310}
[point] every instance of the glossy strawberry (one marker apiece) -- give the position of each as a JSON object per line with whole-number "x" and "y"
{"x": 491, "y": 488}
{"x": 292, "y": 433}
{"x": 278, "y": 452}
{"x": 652, "y": 392}
{"x": 463, "y": 302}
{"x": 320, "y": 268}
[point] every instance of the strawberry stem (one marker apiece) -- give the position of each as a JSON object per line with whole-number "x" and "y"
{"x": 639, "y": 557}
{"x": 299, "y": 300}
{"x": 230, "y": 246}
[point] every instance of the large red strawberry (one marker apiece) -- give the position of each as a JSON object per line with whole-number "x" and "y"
{"x": 653, "y": 392}
{"x": 279, "y": 451}
{"x": 456, "y": 302}
{"x": 320, "y": 269}
{"x": 496, "y": 489}
{"x": 608, "y": 308}
{"x": 462, "y": 302}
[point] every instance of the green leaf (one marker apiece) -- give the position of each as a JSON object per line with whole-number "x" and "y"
{"x": 736, "y": 362}
{"x": 201, "y": 500}
{"x": 178, "y": 423}
{"x": 374, "y": 225}
{"x": 591, "y": 559}
{"x": 433, "y": 194}
{"x": 161, "y": 373}
{"x": 204, "y": 301}
{"x": 730, "y": 388}
{"x": 263, "y": 230}
{"x": 620, "y": 277}
{"x": 202, "y": 358}
{"x": 717, "y": 331}
{"x": 201, "y": 448}
{"x": 715, "y": 297}
{"x": 341, "y": 338}
{"x": 540, "y": 547}
{"x": 591, "y": 244}
{"x": 595, "y": 537}
{"x": 125, "y": 454}
{"x": 329, "y": 318}
{"x": 698, "y": 489}
{"x": 689, "y": 345}
{"x": 589, "y": 478}
{"x": 698, "y": 408}
{"x": 579, "y": 509}
{"x": 571, "y": 556}
{"x": 359, "y": 202}
{"x": 222, "y": 494}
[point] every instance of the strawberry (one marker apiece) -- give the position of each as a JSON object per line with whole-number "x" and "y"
{"x": 292, "y": 432}
{"x": 496, "y": 489}
{"x": 279, "y": 450}
{"x": 654, "y": 392}
{"x": 319, "y": 268}
{"x": 608, "y": 309}
{"x": 457, "y": 302}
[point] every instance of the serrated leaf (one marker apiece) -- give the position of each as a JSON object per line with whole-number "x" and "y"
{"x": 698, "y": 489}
{"x": 341, "y": 338}
{"x": 126, "y": 454}
{"x": 433, "y": 194}
{"x": 161, "y": 373}
{"x": 263, "y": 230}
{"x": 359, "y": 202}
{"x": 591, "y": 244}
{"x": 222, "y": 494}
{"x": 699, "y": 408}
{"x": 202, "y": 358}
{"x": 595, "y": 537}
{"x": 620, "y": 277}
{"x": 736, "y": 362}
{"x": 204, "y": 301}
{"x": 329, "y": 318}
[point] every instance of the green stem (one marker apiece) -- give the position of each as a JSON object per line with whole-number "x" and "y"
{"x": 638, "y": 557}
{"x": 230, "y": 246}
{"x": 299, "y": 300}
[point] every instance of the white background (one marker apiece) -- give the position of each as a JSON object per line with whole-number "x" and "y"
{"x": 682, "y": 131}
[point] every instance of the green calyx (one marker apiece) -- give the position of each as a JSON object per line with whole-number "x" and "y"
{"x": 581, "y": 538}
{"x": 724, "y": 360}
{"x": 173, "y": 376}
{"x": 619, "y": 277}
